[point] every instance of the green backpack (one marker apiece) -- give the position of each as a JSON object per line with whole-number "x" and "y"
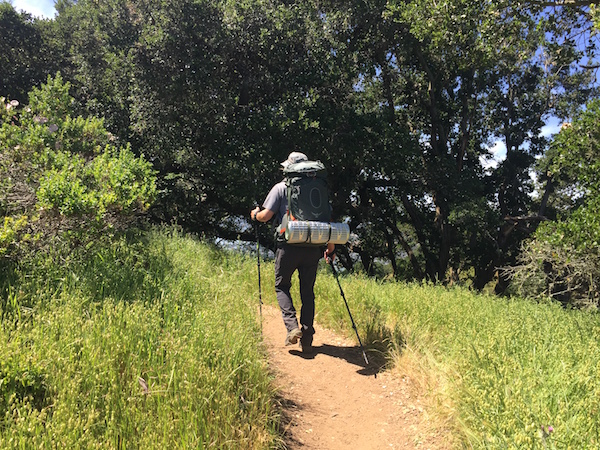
{"x": 307, "y": 193}
{"x": 308, "y": 216}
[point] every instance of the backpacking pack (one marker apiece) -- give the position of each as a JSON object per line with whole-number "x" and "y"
{"x": 307, "y": 193}
{"x": 308, "y": 216}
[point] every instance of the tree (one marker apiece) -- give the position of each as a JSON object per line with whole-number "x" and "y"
{"x": 217, "y": 93}
{"x": 562, "y": 261}
{"x": 401, "y": 100}
{"x": 456, "y": 75}
{"x": 27, "y": 52}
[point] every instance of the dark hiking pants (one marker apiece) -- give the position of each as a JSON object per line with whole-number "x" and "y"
{"x": 304, "y": 259}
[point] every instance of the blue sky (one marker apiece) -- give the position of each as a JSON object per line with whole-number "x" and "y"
{"x": 37, "y": 8}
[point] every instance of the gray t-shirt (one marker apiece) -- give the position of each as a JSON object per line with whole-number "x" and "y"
{"x": 276, "y": 201}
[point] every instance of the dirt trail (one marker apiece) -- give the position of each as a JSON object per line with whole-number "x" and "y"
{"x": 332, "y": 401}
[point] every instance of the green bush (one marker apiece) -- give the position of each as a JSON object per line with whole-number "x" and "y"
{"x": 115, "y": 181}
{"x": 21, "y": 387}
{"x": 11, "y": 233}
{"x": 67, "y": 175}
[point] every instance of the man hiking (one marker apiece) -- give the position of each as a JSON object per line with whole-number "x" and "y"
{"x": 288, "y": 259}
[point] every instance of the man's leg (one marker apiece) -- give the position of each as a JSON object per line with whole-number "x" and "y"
{"x": 285, "y": 265}
{"x": 307, "y": 273}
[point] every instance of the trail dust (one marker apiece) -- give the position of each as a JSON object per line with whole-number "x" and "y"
{"x": 332, "y": 400}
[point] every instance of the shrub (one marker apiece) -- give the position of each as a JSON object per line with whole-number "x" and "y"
{"x": 11, "y": 233}
{"x": 67, "y": 175}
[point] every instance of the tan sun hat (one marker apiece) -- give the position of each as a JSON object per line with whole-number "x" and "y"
{"x": 293, "y": 158}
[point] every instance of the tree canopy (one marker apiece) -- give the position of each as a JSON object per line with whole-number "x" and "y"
{"x": 402, "y": 101}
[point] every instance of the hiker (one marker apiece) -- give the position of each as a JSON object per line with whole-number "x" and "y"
{"x": 288, "y": 259}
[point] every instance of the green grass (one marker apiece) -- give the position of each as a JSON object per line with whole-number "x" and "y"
{"x": 144, "y": 346}
{"x": 155, "y": 342}
{"x": 510, "y": 368}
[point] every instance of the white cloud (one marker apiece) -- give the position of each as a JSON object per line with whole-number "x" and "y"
{"x": 37, "y": 8}
{"x": 552, "y": 127}
{"x": 498, "y": 153}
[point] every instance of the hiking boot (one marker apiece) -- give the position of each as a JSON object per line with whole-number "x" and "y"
{"x": 307, "y": 348}
{"x": 293, "y": 336}
{"x": 306, "y": 344}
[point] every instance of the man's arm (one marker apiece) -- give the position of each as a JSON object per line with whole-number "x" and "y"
{"x": 271, "y": 204}
{"x": 261, "y": 215}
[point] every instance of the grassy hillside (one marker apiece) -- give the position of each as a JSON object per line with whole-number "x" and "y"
{"x": 503, "y": 374}
{"x": 147, "y": 345}
{"x": 155, "y": 343}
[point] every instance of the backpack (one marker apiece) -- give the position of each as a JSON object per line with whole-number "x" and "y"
{"x": 308, "y": 216}
{"x": 307, "y": 193}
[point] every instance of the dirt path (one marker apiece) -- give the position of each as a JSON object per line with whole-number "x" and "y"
{"x": 331, "y": 401}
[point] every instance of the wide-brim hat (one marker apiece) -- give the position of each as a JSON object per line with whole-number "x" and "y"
{"x": 293, "y": 158}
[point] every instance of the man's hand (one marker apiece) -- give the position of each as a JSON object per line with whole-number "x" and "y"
{"x": 254, "y": 212}
{"x": 329, "y": 254}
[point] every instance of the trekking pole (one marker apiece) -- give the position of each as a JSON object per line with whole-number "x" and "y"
{"x": 335, "y": 274}
{"x": 260, "y": 302}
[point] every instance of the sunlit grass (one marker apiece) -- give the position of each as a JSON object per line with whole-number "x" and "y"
{"x": 155, "y": 343}
{"x": 162, "y": 352}
{"x": 502, "y": 373}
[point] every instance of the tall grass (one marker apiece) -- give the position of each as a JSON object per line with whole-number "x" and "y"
{"x": 150, "y": 344}
{"x": 508, "y": 373}
{"x": 155, "y": 343}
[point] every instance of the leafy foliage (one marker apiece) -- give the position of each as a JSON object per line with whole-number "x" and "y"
{"x": 563, "y": 259}
{"x": 63, "y": 174}
{"x": 401, "y": 100}
{"x": 10, "y": 233}
{"x": 29, "y": 51}
{"x": 110, "y": 182}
